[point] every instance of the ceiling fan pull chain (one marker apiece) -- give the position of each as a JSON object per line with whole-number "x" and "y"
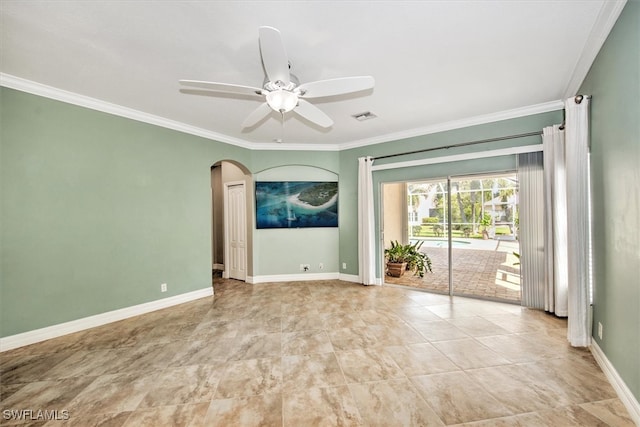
{"x": 282, "y": 126}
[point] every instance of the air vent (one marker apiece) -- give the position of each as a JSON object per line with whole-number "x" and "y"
{"x": 367, "y": 115}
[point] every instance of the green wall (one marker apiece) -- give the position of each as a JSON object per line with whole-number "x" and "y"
{"x": 98, "y": 210}
{"x": 614, "y": 83}
{"x": 349, "y": 167}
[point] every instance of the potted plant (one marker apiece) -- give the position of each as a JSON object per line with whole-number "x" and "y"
{"x": 486, "y": 223}
{"x": 401, "y": 258}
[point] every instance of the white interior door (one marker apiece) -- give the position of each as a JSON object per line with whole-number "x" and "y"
{"x": 236, "y": 231}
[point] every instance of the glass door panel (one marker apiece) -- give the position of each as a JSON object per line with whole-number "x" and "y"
{"x": 425, "y": 205}
{"x": 484, "y": 237}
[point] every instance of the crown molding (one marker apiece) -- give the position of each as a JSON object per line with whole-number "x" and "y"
{"x": 458, "y": 124}
{"x": 275, "y": 146}
{"x": 28, "y": 86}
{"x": 50, "y": 92}
{"x": 609, "y": 14}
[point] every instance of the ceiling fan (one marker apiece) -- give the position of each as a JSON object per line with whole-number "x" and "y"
{"x": 281, "y": 90}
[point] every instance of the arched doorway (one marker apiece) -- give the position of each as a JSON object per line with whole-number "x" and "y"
{"x": 231, "y": 239}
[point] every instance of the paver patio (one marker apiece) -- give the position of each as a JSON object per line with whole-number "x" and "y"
{"x": 484, "y": 273}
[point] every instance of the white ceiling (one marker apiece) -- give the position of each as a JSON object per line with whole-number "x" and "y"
{"x": 437, "y": 64}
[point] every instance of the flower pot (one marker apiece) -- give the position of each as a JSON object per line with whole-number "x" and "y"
{"x": 396, "y": 269}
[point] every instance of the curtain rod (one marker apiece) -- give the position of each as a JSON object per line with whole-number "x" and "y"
{"x": 462, "y": 144}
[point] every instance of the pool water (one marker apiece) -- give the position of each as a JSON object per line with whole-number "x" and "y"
{"x": 443, "y": 243}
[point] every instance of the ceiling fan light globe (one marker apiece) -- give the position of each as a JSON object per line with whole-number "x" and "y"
{"x": 282, "y": 101}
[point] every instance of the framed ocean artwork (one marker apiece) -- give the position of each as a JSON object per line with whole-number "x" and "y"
{"x": 296, "y": 204}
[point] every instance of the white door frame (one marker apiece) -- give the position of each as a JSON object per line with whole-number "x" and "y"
{"x": 227, "y": 243}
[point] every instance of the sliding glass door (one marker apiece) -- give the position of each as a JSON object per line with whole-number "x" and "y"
{"x": 468, "y": 227}
{"x": 484, "y": 237}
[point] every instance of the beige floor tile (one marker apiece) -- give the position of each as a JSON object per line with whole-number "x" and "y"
{"x": 256, "y": 347}
{"x": 316, "y": 353}
{"x": 576, "y": 380}
{"x": 174, "y": 416}
{"x": 328, "y": 406}
{"x": 417, "y": 313}
{"x": 571, "y": 416}
{"x": 347, "y": 319}
{"x": 395, "y": 335}
{"x": 384, "y": 317}
{"x": 420, "y": 359}
{"x": 438, "y": 330}
{"x": 302, "y": 372}
{"x": 368, "y": 365}
{"x": 211, "y": 330}
{"x": 302, "y": 322}
{"x": 352, "y": 338}
{"x": 393, "y": 403}
{"x": 306, "y": 342}
{"x": 203, "y": 352}
{"x": 263, "y": 410}
{"x": 477, "y": 326}
{"x": 89, "y": 363}
{"x": 468, "y": 353}
{"x": 112, "y": 394}
{"x": 176, "y": 385}
{"x": 610, "y": 411}
{"x": 250, "y": 377}
{"x": 517, "y": 349}
{"x": 520, "y": 420}
{"x": 51, "y": 395}
{"x": 257, "y": 325}
{"x": 456, "y": 398}
{"x": 512, "y": 386}
{"x": 92, "y": 420}
{"x": 22, "y": 369}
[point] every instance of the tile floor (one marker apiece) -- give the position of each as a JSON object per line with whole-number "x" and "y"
{"x": 323, "y": 353}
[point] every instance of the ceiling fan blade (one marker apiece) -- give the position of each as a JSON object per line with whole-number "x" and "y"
{"x": 336, "y": 86}
{"x": 223, "y": 87}
{"x": 313, "y": 114}
{"x": 274, "y": 56}
{"x": 258, "y": 114}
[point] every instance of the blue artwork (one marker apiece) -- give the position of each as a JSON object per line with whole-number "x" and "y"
{"x": 296, "y": 204}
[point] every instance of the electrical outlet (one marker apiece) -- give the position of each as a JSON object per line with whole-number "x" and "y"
{"x": 306, "y": 267}
{"x": 163, "y": 287}
{"x": 321, "y": 266}
{"x": 599, "y": 330}
{"x": 344, "y": 265}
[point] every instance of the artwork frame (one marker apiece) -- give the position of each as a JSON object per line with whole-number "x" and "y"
{"x": 296, "y": 204}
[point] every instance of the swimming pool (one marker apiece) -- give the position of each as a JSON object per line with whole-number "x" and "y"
{"x": 443, "y": 243}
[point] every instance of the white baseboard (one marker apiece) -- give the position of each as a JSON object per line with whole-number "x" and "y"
{"x": 354, "y": 278}
{"x": 37, "y": 335}
{"x": 625, "y": 395}
{"x": 292, "y": 277}
{"x": 306, "y": 276}
{"x": 217, "y": 267}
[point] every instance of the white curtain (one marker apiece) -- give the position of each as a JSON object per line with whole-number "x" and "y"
{"x": 555, "y": 215}
{"x": 366, "y": 235}
{"x": 532, "y": 229}
{"x": 578, "y": 226}
{"x": 567, "y": 223}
